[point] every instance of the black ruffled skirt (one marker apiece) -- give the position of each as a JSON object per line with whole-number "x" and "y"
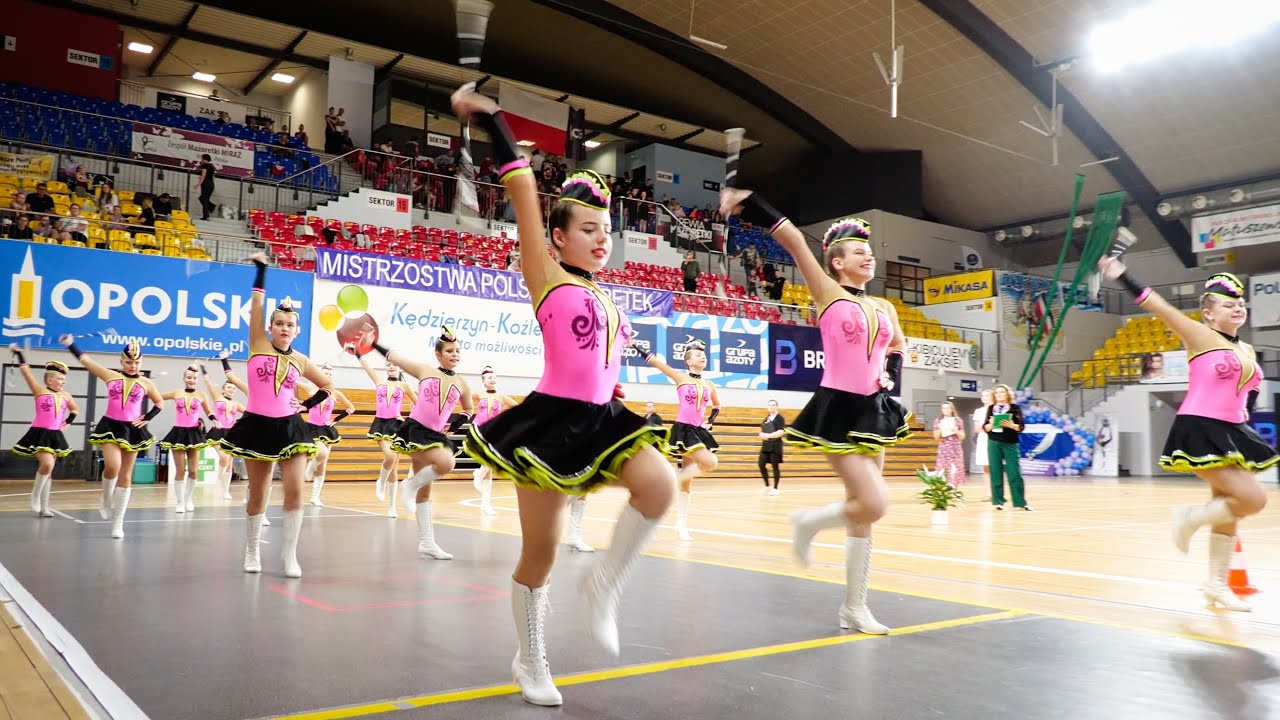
{"x": 38, "y": 440}
{"x": 837, "y": 422}
{"x": 123, "y": 434}
{"x": 185, "y": 438}
{"x": 326, "y": 434}
{"x": 1201, "y": 443}
{"x": 561, "y": 444}
{"x": 258, "y": 437}
{"x": 686, "y": 438}
{"x": 414, "y": 437}
{"x": 215, "y": 434}
{"x": 384, "y": 428}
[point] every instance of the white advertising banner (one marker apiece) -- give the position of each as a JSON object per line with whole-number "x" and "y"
{"x": 979, "y": 314}
{"x": 509, "y": 230}
{"x": 1164, "y": 367}
{"x": 939, "y": 355}
{"x": 1237, "y": 228}
{"x": 649, "y": 248}
{"x": 1106, "y": 451}
{"x": 1264, "y": 300}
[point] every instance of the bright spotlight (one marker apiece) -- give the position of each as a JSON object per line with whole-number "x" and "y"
{"x": 1167, "y": 26}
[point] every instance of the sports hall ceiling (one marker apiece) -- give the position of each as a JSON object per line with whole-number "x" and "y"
{"x": 800, "y": 77}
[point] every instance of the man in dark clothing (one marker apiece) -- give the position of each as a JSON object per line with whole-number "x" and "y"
{"x": 691, "y": 272}
{"x": 651, "y": 416}
{"x": 771, "y": 431}
{"x": 163, "y": 206}
{"x": 40, "y": 201}
{"x": 19, "y": 230}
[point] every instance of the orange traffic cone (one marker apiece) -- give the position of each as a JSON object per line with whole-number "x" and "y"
{"x": 1237, "y": 575}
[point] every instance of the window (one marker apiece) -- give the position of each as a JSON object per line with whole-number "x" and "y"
{"x": 905, "y": 282}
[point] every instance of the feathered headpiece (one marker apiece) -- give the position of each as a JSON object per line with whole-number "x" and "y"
{"x": 446, "y": 335}
{"x": 131, "y": 351}
{"x": 586, "y": 187}
{"x": 55, "y": 366}
{"x": 696, "y": 345}
{"x": 286, "y": 305}
{"x": 855, "y": 229}
{"x": 1224, "y": 284}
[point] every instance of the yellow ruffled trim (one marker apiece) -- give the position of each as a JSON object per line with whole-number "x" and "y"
{"x": 24, "y": 451}
{"x": 406, "y": 448}
{"x": 1184, "y": 463}
{"x": 328, "y": 441}
{"x": 109, "y": 439}
{"x": 380, "y": 436}
{"x": 869, "y": 444}
{"x": 540, "y": 475}
{"x": 680, "y": 449}
{"x": 301, "y": 448}
{"x": 174, "y": 446}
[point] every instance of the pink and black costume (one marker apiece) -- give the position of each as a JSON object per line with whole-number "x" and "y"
{"x": 687, "y": 432}
{"x": 52, "y": 414}
{"x": 223, "y": 418}
{"x": 320, "y": 420}
{"x": 387, "y": 419}
{"x": 124, "y": 406}
{"x": 429, "y": 419}
{"x": 186, "y": 433}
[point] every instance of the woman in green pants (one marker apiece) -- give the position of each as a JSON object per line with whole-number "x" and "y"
{"x": 1002, "y": 450}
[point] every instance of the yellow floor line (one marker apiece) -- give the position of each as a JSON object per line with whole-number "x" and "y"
{"x": 387, "y": 706}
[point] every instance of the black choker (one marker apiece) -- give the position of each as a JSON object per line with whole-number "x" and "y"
{"x": 492, "y": 392}
{"x": 577, "y": 271}
{"x": 695, "y": 376}
{"x": 1230, "y": 338}
{"x": 286, "y": 351}
{"x": 134, "y": 376}
{"x": 859, "y": 292}
{"x": 190, "y": 390}
{"x": 450, "y": 373}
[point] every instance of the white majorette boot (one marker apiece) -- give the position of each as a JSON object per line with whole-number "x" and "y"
{"x": 108, "y": 487}
{"x": 602, "y": 587}
{"x": 854, "y": 613}
{"x": 393, "y": 494}
{"x": 529, "y": 669}
{"x": 1189, "y": 518}
{"x": 414, "y": 483}
{"x": 380, "y": 489}
{"x": 427, "y": 546}
{"x": 37, "y": 492}
{"x": 179, "y": 496}
{"x": 265, "y": 505}
{"x": 577, "y": 507}
{"x": 682, "y": 517}
{"x": 484, "y": 483}
{"x": 191, "y": 492}
{"x": 316, "y": 486}
{"x": 252, "y": 536}
{"x": 806, "y": 523}
{"x": 292, "y": 529}
{"x": 119, "y": 505}
{"x": 225, "y": 477}
{"x": 1216, "y": 592}
{"x": 45, "y": 510}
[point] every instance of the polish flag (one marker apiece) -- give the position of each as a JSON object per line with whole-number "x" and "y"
{"x": 535, "y": 119}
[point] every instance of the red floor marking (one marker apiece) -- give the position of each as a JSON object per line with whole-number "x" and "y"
{"x": 483, "y": 592}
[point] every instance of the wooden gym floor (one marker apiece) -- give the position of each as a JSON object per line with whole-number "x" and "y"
{"x": 1006, "y": 613}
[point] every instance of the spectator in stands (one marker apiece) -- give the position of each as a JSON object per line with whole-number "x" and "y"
{"x": 691, "y": 272}
{"x": 163, "y": 206}
{"x": 147, "y": 220}
{"x": 204, "y": 180}
{"x": 773, "y": 282}
{"x": 116, "y": 219}
{"x": 88, "y": 203}
{"x": 73, "y": 227}
{"x": 537, "y": 161}
{"x": 331, "y": 132}
{"x": 513, "y": 259}
{"x": 18, "y": 206}
{"x": 41, "y": 201}
{"x": 81, "y": 179}
{"x": 281, "y": 146}
{"x": 301, "y": 135}
{"x": 20, "y": 229}
{"x": 107, "y": 198}
{"x": 42, "y": 226}
{"x": 651, "y": 415}
{"x": 750, "y": 259}
{"x": 345, "y": 143}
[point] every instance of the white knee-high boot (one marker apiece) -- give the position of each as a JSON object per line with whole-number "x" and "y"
{"x": 486, "y": 492}
{"x": 393, "y": 493}
{"x": 119, "y": 505}
{"x": 806, "y": 523}
{"x": 380, "y": 489}
{"x": 252, "y": 538}
{"x": 180, "y": 496}
{"x": 682, "y": 517}
{"x": 414, "y": 483}
{"x": 427, "y": 546}
{"x": 292, "y": 529}
{"x": 529, "y": 669}
{"x": 46, "y": 511}
{"x": 1216, "y": 591}
{"x": 854, "y": 613}
{"x": 37, "y": 491}
{"x": 602, "y": 587}
{"x": 108, "y": 488}
{"x": 190, "y": 500}
{"x": 1188, "y": 519}
{"x": 225, "y": 476}
{"x": 316, "y": 486}
{"x": 577, "y": 507}
{"x": 265, "y": 506}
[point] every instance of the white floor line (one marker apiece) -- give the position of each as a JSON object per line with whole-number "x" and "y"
{"x": 77, "y": 520}
{"x": 207, "y": 519}
{"x": 113, "y": 699}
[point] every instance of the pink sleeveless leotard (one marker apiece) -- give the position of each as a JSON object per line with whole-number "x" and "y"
{"x": 855, "y": 338}
{"x": 432, "y": 410}
{"x": 272, "y": 381}
{"x": 390, "y": 398}
{"x": 1219, "y": 381}
{"x": 187, "y": 408}
{"x": 695, "y": 398}
{"x": 322, "y": 413}
{"x": 124, "y": 399}
{"x": 51, "y": 411}
{"x": 488, "y": 407}
{"x": 583, "y": 335}
{"x": 224, "y": 414}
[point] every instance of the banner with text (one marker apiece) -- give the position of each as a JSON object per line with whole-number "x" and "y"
{"x": 685, "y": 233}
{"x": 183, "y": 148}
{"x": 796, "y": 357}
{"x": 106, "y": 299}
{"x": 736, "y": 348}
{"x": 965, "y": 286}
{"x": 39, "y": 167}
{"x": 464, "y": 281}
{"x": 1264, "y": 300}
{"x": 1237, "y": 228}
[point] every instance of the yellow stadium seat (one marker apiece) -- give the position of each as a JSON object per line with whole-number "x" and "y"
{"x": 29, "y": 184}
{"x": 125, "y": 196}
{"x": 7, "y": 191}
{"x": 164, "y": 225}
{"x": 57, "y": 187}
{"x": 180, "y": 215}
{"x": 144, "y": 240}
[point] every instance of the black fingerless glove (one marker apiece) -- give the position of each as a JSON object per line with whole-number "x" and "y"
{"x": 75, "y": 351}
{"x": 260, "y": 279}
{"x": 711, "y": 419}
{"x": 320, "y": 396}
{"x": 893, "y": 367}
{"x": 341, "y": 414}
{"x": 71, "y": 417}
{"x": 382, "y": 349}
{"x": 510, "y": 163}
{"x": 22, "y": 359}
{"x": 1137, "y": 289}
{"x": 1252, "y": 402}
{"x": 757, "y": 211}
{"x": 226, "y": 365}
{"x": 152, "y": 413}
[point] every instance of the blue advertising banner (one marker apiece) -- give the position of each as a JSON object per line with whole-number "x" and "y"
{"x": 795, "y": 357}
{"x": 464, "y": 281}
{"x": 735, "y": 348}
{"x": 171, "y": 306}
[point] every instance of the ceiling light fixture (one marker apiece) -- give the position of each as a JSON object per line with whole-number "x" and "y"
{"x": 1001, "y": 235}
{"x": 526, "y": 143}
{"x": 701, "y": 40}
{"x": 592, "y": 144}
{"x": 138, "y": 47}
{"x": 1167, "y": 26}
{"x": 285, "y": 78}
{"x": 204, "y": 77}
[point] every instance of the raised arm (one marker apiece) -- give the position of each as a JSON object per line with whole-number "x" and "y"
{"x": 536, "y": 264}
{"x": 89, "y": 363}
{"x": 757, "y": 211}
{"x": 1148, "y": 299}
{"x": 35, "y": 387}
{"x": 258, "y": 303}
{"x": 208, "y": 381}
{"x": 655, "y": 361}
{"x": 408, "y": 365}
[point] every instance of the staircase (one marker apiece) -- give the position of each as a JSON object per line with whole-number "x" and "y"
{"x": 226, "y": 240}
{"x": 357, "y": 458}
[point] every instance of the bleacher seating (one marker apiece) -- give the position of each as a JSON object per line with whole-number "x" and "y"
{"x": 1119, "y": 360}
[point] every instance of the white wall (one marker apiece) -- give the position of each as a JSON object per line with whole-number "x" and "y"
{"x": 918, "y": 242}
{"x": 634, "y": 246}
{"x": 1083, "y": 333}
{"x": 369, "y": 207}
{"x": 307, "y": 103}
{"x": 606, "y": 160}
{"x": 187, "y": 84}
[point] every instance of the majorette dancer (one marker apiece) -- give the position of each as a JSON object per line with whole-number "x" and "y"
{"x": 388, "y": 413}
{"x": 44, "y": 441}
{"x": 571, "y": 435}
{"x": 851, "y": 418}
{"x": 225, "y": 413}
{"x": 488, "y": 405}
{"x": 324, "y": 431}
{"x": 271, "y": 430}
{"x": 186, "y": 438}
{"x": 1210, "y": 436}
